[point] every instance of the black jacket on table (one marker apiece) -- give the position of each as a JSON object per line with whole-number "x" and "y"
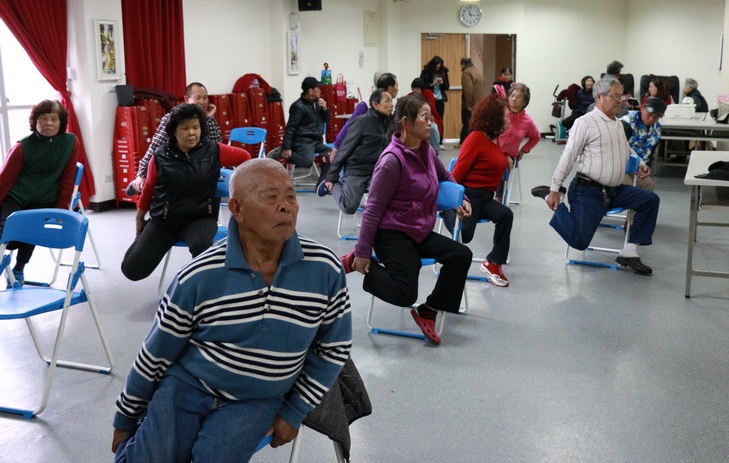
{"x": 306, "y": 119}
{"x": 186, "y": 184}
{"x": 361, "y": 148}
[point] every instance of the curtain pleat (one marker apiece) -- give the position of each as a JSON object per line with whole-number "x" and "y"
{"x": 154, "y": 44}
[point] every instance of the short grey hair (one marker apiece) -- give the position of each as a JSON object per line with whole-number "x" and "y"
{"x": 252, "y": 168}
{"x": 691, "y": 83}
{"x": 603, "y": 86}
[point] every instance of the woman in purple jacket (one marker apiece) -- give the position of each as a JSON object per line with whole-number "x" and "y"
{"x": 398, "y": 223}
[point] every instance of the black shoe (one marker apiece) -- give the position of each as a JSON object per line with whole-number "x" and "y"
{"x": 542, "y": 191}
{"x": 635, "y": 264}
{"x": 321, "y": 189}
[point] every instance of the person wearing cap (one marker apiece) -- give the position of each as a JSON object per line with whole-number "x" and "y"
{"x": 645, "y": 137}
{"x": 598, "y": 146}
{"x": 305, "y": 128}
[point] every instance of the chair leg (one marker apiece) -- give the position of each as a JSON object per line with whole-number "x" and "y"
{"x": 296, "y": 446}
{"x": 164, "y": 271}
{"x": 339, "y": 228}
{"x": 518, "y": 182}
{"x": 440, "y": 323}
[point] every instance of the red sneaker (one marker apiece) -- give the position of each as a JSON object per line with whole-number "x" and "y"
{"x": 347, "y": 261}
{"x": 425, "y": 318}
{"x": 493, "y": 271}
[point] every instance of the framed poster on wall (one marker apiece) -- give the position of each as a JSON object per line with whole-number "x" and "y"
{"x": 105, "y": 33}
{"x": 293, "y": 55}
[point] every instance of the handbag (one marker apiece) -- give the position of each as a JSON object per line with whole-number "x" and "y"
{"x": 341, "y": 89}
{"x": 722, "y": 113}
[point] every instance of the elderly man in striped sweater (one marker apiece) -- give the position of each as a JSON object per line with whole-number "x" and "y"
{"x": 247, "y": 340}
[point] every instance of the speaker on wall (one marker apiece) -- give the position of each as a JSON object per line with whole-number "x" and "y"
{"x": 309, "y": 5}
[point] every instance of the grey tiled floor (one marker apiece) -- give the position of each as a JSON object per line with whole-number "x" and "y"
{"x": 568, "y": 364}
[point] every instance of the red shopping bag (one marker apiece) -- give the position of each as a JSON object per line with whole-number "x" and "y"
{"x": 341, "y": 89}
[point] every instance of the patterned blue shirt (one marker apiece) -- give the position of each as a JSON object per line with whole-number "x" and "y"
{"x": 644, "y": 138}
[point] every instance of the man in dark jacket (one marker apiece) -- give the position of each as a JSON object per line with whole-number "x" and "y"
{"x": 303, "y": 137}
{"x": 690, "y": 89}
{"x": 358, "y": 154}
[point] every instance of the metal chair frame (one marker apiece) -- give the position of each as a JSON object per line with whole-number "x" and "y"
{"x": 223, "y": 191}
{"x": 58, "y": 229}
{"x": 631, "y": 167}
{"x": 450, "y": 196}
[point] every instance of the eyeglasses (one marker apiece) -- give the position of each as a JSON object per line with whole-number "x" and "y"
{"x": 617, "y": 97}
{"x": 426, "y": 117}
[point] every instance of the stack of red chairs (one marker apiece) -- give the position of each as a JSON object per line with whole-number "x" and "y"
{"x": 223, "y": 114}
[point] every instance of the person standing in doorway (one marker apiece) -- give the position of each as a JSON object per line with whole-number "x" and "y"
{"x": 474, "y": 90}
{"x": 435, "y": 76}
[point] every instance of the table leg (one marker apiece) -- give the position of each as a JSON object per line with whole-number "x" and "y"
{"x": 695, "y": 193}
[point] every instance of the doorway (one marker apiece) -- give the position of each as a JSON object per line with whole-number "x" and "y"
{"x": 489, "y": 52}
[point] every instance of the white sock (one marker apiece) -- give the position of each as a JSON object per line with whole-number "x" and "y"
{"x": 630, "y": 250}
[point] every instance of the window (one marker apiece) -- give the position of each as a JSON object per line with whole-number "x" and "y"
{"x": 21, "y": 86}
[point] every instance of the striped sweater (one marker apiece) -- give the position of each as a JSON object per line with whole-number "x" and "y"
{"x": 221, "y": 329}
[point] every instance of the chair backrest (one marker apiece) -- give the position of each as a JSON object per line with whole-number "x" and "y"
{"x": 450, "y": 195}
{"x": 250, "y": 136}
{"x": 76, "y": 196}
{"x": 673, "y": 83}
{"x": 51, "y": 228}
{"x": 223, "y": 187}
{"x": 633, "y": 164}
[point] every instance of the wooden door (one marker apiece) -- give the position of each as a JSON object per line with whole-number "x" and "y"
{"x": 450, "y": 47}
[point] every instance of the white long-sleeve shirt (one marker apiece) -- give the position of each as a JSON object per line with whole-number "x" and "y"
{"x": 599, "y": 147}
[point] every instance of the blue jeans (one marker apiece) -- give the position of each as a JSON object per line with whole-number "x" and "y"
{"x": 577, "y": 224}
{"x": 184, "y": 424}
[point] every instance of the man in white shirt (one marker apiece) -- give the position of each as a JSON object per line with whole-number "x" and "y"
{"x": 598, "y": 146}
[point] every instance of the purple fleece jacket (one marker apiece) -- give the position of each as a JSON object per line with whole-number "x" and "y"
{"x": 403, "y": 193}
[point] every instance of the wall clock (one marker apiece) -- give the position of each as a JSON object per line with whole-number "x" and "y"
{"x": 470, "y": 14}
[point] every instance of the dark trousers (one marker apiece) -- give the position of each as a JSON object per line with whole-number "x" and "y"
{"x": 484, "y": 207}
{"x": 25, "y": 250}
{"x": 577, "y": 224}
{"x": 440, "y": 107}
{"x": 149, "y": 247}
{"x": 395, "y": 281}
{"x": 303, "y": 150}
{"x": 465, "y": 121}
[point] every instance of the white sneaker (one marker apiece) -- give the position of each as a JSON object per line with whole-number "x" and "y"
{"x": 493, "y": 272}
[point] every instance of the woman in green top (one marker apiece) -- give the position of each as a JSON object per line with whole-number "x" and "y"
{"x": 39, "y": 171}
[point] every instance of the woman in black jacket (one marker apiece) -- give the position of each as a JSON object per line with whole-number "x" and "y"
{"x": 435, "y": 76}
{"x": 179, "y": 192}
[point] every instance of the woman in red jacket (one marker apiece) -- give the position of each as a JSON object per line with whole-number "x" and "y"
{"x": 480, "y": 167}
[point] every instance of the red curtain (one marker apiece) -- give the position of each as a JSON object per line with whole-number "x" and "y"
{"x": 154, "y": 44}
{"x": 34, "y": 23}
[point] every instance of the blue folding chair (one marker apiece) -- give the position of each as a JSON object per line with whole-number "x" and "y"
{"x": 222, "y": 191}
{"x": 250, "y": 136}
{"x": 75, "y": 205}
{"x": 620, "y": 213}
{"x": 57, "y": 229}
{"x": 450, "y": 196}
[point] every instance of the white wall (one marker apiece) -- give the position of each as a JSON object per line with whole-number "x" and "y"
{"x": 558, "y": 42}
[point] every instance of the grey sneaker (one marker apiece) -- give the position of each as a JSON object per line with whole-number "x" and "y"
{"x": 275, "y": 153}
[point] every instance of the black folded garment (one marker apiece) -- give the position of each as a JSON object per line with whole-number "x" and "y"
{"x": 717, "y": 171}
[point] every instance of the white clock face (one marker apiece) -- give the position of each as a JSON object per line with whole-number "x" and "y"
{"x": 470, "y": 15}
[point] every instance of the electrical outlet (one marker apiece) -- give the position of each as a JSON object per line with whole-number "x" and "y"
{"x": 108, "y": 178}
